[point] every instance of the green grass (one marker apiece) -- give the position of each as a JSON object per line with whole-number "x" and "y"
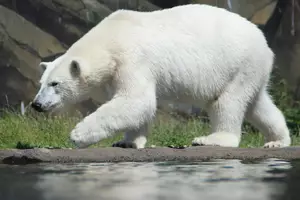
{"x": 17, "y": 131}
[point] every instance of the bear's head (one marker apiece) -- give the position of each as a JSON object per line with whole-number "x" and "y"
{"x": 69, "y": 80}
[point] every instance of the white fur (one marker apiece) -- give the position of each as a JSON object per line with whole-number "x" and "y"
{"x": 194, "y": 54}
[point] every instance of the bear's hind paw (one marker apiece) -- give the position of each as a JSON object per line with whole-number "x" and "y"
{"x": 275, "y": 144}
{"x": 201, "y": 141}
{"x": 223, "y": 139}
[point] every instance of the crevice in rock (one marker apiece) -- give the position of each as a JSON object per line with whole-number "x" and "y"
{"x": 272, "y": 25}
{"x": 24, "y": 46}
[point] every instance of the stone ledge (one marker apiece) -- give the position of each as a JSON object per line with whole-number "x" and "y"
{"x": 110, "y": 154}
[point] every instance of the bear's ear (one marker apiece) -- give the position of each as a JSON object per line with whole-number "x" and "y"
{"x": 75, "y": 68}
{"x": 43, "y": 66}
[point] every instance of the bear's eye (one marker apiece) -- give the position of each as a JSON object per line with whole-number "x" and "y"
{"x": 53, "y": 84}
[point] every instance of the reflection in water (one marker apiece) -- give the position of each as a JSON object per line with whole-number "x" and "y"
{"x": 221, "y": 179}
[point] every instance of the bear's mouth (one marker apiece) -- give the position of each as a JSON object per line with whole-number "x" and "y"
{"x": 52, "y": 108}
{"x": 45, "y": 108}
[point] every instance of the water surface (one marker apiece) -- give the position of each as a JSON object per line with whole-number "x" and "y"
{"x": 219, "y": 179}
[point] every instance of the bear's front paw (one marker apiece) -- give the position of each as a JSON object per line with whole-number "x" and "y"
{"x": 83, "y": 136}
{"x": 78, "y": 139}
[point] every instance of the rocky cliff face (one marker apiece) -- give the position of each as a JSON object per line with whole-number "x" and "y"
{"x": 33, "y": 30}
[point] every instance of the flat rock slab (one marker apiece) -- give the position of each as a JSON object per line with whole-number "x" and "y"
{"x": 111, "y": 154}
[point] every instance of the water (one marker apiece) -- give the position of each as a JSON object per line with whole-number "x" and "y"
{"x": 219, "y": 179}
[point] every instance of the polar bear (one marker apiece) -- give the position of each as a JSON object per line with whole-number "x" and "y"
{"x": 194, "y": 54}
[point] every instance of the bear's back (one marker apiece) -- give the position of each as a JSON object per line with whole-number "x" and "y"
{"x": 125, "y": 27}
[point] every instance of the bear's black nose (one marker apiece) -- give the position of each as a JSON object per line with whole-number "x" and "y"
{"x": 37, "y": 106}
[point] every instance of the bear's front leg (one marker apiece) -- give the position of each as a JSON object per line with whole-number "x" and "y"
{"x": 124, "y": 112}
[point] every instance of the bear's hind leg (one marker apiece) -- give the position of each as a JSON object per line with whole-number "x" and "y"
{"x": 135, "y": 139}
{"x": 226, "y": 117}
{"x": 265, "y": 116}
{"x": 227, "y": 114}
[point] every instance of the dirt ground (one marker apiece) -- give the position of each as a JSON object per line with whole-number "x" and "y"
{"x": 110, "y": 154}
